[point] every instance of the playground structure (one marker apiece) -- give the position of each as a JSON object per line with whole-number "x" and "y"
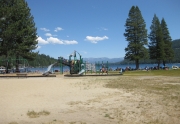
{"x": 78, "y": 67}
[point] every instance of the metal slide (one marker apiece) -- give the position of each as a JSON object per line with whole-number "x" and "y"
{"x": 81, "y": 72}
{"x": 47, "y": 72}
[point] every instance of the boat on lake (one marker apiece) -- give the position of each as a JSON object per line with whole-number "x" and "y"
{"x": 175, "y": 67}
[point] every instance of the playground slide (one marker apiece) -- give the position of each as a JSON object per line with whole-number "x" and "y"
{"x": 120, "y": 71}
{"x": 81, "y": 72}
{"x": 47, "y": 72}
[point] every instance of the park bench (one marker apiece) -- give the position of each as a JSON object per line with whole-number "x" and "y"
{"x": 21, "y": 75}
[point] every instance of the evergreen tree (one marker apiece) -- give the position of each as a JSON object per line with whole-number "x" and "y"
{"x": 169, "y": 53}
{"x": 42, "y": 60}
{"x": 6, "y": 33}
{"x": 156, "y": 45}
{"x": 136, "y": 35}
{"x": 3, "y": 25}
{"x": 20, "y": 33}
{"x": 26, "y": 38}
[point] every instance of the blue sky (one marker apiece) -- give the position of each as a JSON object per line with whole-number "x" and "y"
{"x": 94, "y": 28}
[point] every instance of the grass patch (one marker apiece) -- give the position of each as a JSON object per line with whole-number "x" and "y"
{"x": 108, "y": 116}
{"x": 153, "y": 84}
{"x": 163, "y": 91}
{"x": 33, "y": 114}
{"x": 169, "y": 93}
{"x": 77, "y": 122}
{"x": 153, "y": 73}
{"x": 13, "y": 123}
{"x": 149, "y": 73}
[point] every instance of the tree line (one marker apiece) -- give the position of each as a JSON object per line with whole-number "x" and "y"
{"x": 42, "y": 60}
{"x": 159, "y": 49}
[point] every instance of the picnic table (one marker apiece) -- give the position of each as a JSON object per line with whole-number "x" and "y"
{"x": 21, "y": 75}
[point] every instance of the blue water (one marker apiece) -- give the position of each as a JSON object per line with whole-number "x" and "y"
{"x": 113, "y": 67}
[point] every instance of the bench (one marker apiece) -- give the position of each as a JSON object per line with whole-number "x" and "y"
{"x": 21, "y": 75}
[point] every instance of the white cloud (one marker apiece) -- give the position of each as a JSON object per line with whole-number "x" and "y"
{"x": 96, "y": 39}
{"x": 58, "y": 29}
{"x": 59, "y": 41}
{"x": 54, "y": 40}
{"x": 44, "y": 29}
{"x": 68, "y": 42}
{"x": 48, "y": 34}
{"x": 41, "y": 40}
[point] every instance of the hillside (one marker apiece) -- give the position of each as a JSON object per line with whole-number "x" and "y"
{"x": 42, "y": 60}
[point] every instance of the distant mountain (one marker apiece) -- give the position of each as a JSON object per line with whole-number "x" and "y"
{"x": 104, "y": 59}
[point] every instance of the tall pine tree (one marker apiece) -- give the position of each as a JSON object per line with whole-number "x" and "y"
{"x": 6, "y": 32}
{"x": 20, "y": 33}
{"x": 136, "y": 35}
{"x": 169, "y": 53}
{"x": 156, "y": 45}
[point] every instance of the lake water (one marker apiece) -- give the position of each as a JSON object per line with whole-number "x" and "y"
{"x": 113, "y": 67}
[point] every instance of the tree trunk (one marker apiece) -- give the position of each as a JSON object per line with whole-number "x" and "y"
{"x": 137, "y": 64}
{"x": 17, "y": 64}
{"x": 7, "y": 64}
{"x": 158, "y": 64}
{"x": 164, "y": 63}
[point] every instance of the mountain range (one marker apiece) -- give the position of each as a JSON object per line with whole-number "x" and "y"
{"x": 104, "y": 59}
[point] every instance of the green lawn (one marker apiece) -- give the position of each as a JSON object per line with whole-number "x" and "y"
{"x": 149, "y": 73}
{"x": 146, "y": 73}
{"x": 153, "y": 73}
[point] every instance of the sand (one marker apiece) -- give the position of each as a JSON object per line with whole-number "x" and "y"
{"x": 75, "y": 100}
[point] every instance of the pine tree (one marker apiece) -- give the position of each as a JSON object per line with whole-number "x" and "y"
{"x": 156, "y": 45}
{"x": 20, "y": 33}
{"x": 6, "y": 36}
{"x": 136, "y": 35}
{"x": 26, "y": 38}
{"x": 169, "y": 53}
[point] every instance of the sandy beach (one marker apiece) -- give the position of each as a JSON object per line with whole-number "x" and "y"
{"x": 81, "y": 100}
